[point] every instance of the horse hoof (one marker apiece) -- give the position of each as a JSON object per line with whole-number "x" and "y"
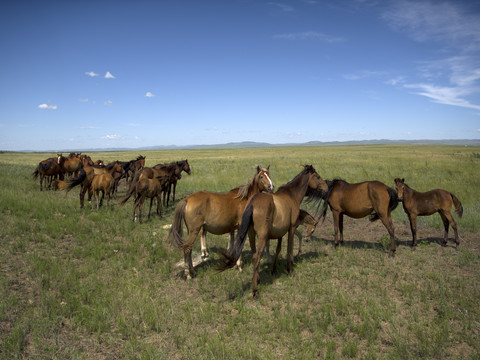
{"x": 391, "y": 255}
{"x": 255, "y": 294}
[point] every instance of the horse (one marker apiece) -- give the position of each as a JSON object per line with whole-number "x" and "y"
{"x": 178, "y": 167}
{"x": 310, "y": 224}
{"x": 271, "y": 216}
{"x": 149, "y": 188}
{"x": 417, "y": 203}
{"x": 86, "y": 176}
{"x": 216, "y": 213}
{"x": 102, "y": 183}
{"x": 71, "y": 164}
{"x": 47, "y": 168}
{"x": 358, "y": 200}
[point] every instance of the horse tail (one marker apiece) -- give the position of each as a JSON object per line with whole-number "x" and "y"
{"x": 35, "y": 174}
{"x": 392, "y": 203}
{"x": 132, "y": 188}
{"x": 75, "y": 181}
{"x": 458, "y": 205}
{"x": 176, "y": 231}
{"x": 231, "y": 258}
{"x": 326, "y": 197}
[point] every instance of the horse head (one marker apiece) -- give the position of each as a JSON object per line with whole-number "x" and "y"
{"x": 263, "y": 178}
{"x": 315, "y": 181}
{"x": 399, "y": 186}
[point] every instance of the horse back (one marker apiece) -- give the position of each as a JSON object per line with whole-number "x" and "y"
{"x": 428, "y": 202}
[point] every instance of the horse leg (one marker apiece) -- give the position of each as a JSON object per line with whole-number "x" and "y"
{"x": 231, "y": 242}
{"x": 203, "y": 244}
{"x": 270, "y": 259}
{"x": 277, "y": 252}
{"x": 159, "y": 205}
{"x": 101, "y": 199}
{"x": 340, "y": 227}
{"x": 413, "y": 228}
{"x": 299, "y": 235}
{"x": 150, "y": 208}
{"x": 290, "y": 250}
{"x": 387, "y": 222}
{"x": 449, "y": 219}
{"x": 189, "y": 271}
{"x": 256, "y": 262}
{"x": 336, "y": 220}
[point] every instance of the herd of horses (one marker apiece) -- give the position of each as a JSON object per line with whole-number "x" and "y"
{"x": 254, "y": 209}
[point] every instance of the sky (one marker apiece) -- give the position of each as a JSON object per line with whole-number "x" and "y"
{"x": 129, "y": 74}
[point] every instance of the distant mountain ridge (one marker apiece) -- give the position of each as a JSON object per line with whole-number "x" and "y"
{"x": 253, "y": 144}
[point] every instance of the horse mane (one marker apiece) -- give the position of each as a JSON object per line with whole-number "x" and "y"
{"x": 111, "y": 165}
{"x": 140, "y": 157}
{"x": 326, "y": 195}
{"x": 307, "y": 169}
{"x": 242, "y": 190}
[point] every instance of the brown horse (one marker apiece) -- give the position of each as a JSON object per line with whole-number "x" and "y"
{"x": 70, "y": 165}
{"x": 216, "y": 213}
{"x": 310, "y": 224}
{"x": 149, "y": 188}
{"x": 271, "y": 216}
{"x": 176, "y": 168}
{"x": 417, "y": 203}
{"x": 372, "y": 198}
{"x": 101, "y": 183}
{"x": 49, "y": 169}
{"x": 86, "y": 175}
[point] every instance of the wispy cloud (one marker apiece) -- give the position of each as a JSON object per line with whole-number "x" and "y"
{"x": 47, "y": 107}
{"x": 363, "y": 74}
{"x": 281, "y": 6}
{"x": 112, "y": 137}
{"x": 83, "y": 100}
{"x": 453, "y": 79}
{"x": 109, "y": 75}
{"x": 91, "y": 74}
{"x": 448, "y": 22}
{"x": 310, "y": 35}
{"x": 149, "y": 95}
{"x": 108, "y": 103}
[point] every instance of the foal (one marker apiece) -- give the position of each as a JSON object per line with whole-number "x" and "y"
{"x": 417, "y": 203}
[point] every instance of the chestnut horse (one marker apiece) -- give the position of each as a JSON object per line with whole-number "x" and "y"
{"x": 310, "y": 224}
{"x": 102, "y": 183}
{"x": 271, "y": 216}
{"x": 149, "y": 188}
{"x": 47, "y": 168}
{"x": 85, "y": 177}
{"x": 372, "y": 198}
{"x": 216, "y": 213}
{"x": 417, "y": 203}
{"x": 70, "y": 165}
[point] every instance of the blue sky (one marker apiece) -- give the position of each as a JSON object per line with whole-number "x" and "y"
{"x": 102, "y": 74}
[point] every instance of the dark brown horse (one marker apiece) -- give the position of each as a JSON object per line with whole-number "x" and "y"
{"x": 149, "y": 188}
{"x": 417, "y": 203}
{"x": 216, "y": 213}
{"x": 271, "y": 216}
{"x": 372, "y": 198}
{"x": 48, "y": 170}
{"x": 176, "y": 168}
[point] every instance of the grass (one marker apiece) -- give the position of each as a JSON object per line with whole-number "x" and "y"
{"x": 81, "y": 283}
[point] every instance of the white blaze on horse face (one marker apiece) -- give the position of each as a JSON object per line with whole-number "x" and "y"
{"x": 270, "y": 181}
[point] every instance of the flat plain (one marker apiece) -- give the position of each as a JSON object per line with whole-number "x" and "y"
{"x": 91, "y": 284}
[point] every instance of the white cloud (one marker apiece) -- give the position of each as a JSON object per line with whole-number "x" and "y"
{"x": 283, "y": 7}
{"x": 47, "y": 107}
{"x": 108, "y": 75}
{"x": 83, "y": 100}
{"x": 91, "y": 74}
{"x": 310, "y": 35}
{"x": 149, "y": 94}
{"x": 112, "y": 137}
{"x": 108, "y": 103}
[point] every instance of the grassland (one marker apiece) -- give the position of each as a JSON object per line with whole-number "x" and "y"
{"x": 87, "y": 284}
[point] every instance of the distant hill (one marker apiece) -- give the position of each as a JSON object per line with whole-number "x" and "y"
{"x": 253, "y": 144}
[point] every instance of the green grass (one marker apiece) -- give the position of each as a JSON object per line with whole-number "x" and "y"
{"x": 87, "y": 284}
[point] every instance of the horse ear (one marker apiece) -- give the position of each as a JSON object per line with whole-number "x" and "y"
{"x": 403, "y": 180}
{"x": 258, "y": 169}
{"x": 268, "y": 167}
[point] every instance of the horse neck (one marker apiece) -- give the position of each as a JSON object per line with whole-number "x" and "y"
{"x": 408, "y": 191}
{"x": 296, "y": 188}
